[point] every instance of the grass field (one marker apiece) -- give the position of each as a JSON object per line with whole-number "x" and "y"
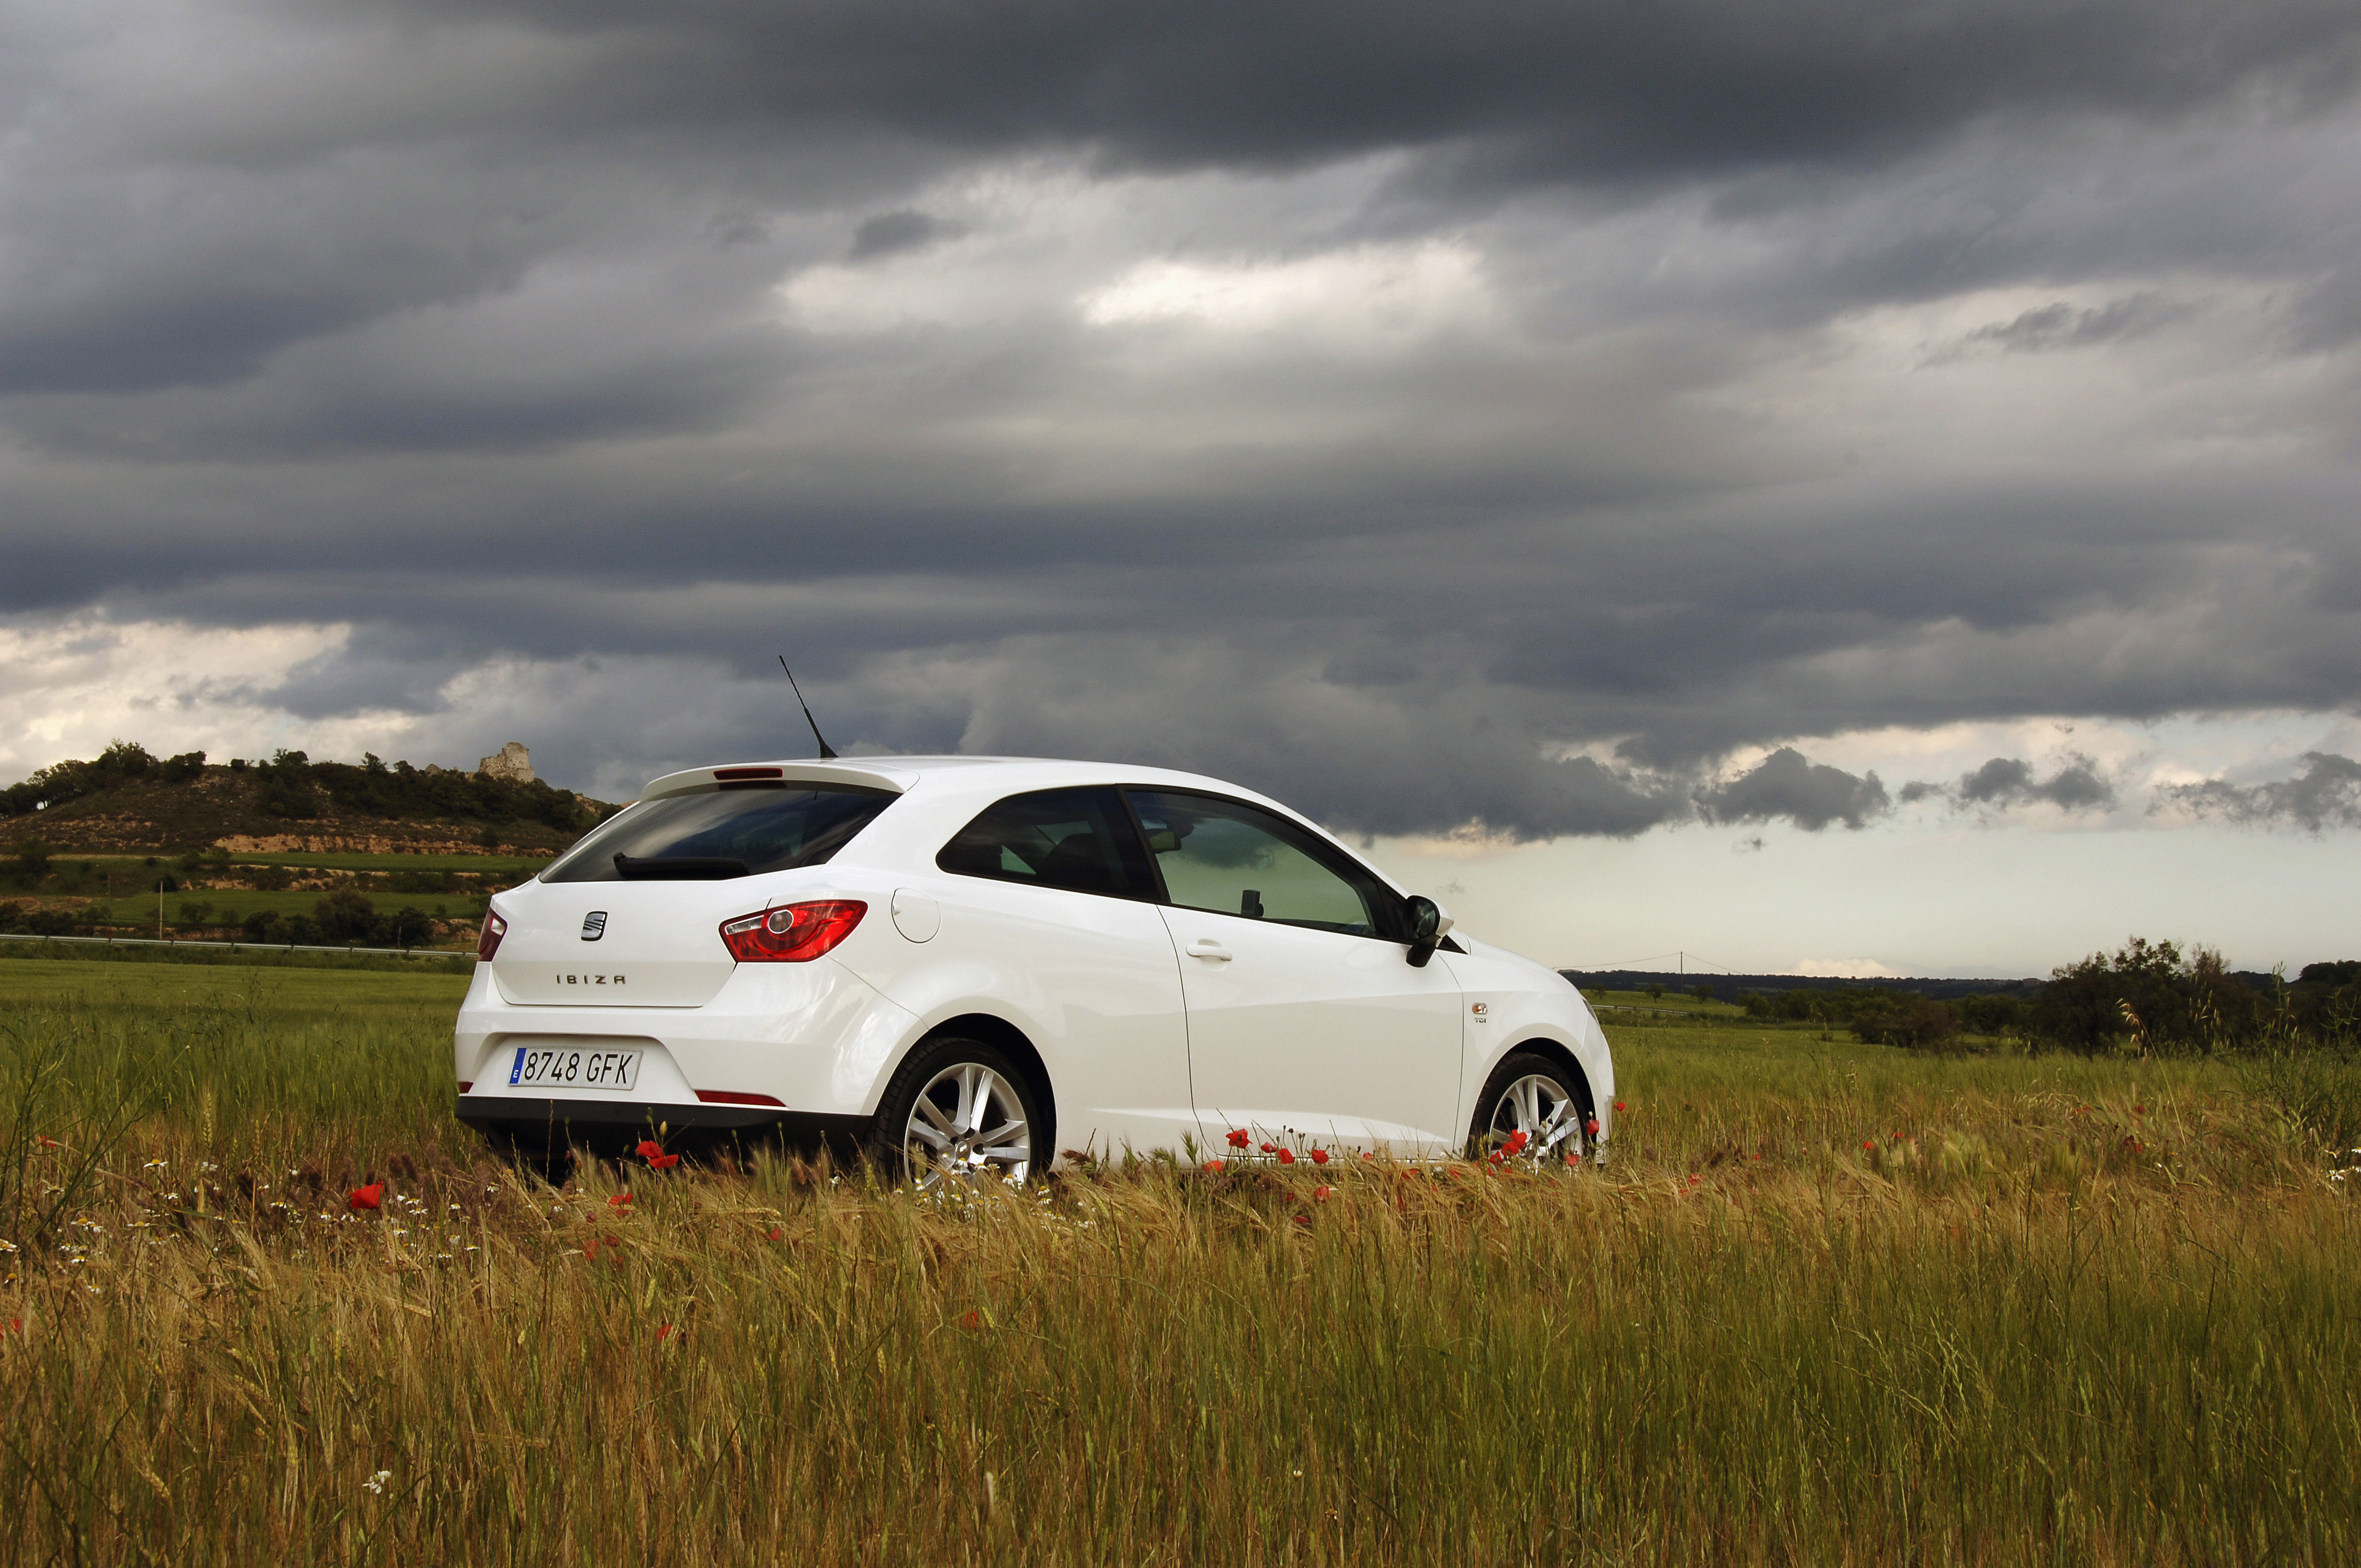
{"x": 1826, "y": 1303}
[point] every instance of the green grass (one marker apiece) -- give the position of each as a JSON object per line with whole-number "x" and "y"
{"x": 2053, "y": 1311}
{"x": 515, "y": 865}
{"x": 243, "y": 955}
{"x": 230, "y": 905}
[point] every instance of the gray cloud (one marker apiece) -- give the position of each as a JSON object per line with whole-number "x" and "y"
{"x": 1787, "y": 785}
{"x": 539, "y": 333}
{"x": 890, "y": 233}
{"x": 2062, "y": 326}
{"x": 2327, "y": 795}
{"x": 2004, "y": 781}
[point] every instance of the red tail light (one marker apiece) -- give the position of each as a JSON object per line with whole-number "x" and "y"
{"x": 793, "y": 933}
{"x": 489, "y": 942}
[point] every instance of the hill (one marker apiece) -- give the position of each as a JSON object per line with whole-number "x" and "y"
{"x": 129, "y": 800}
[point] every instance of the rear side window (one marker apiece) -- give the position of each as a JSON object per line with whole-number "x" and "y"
{"x": 1078, "y": 839}
{"x": 731, "y": 833}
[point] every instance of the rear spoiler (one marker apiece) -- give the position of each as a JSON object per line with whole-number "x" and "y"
{"x": 861, "y": 774}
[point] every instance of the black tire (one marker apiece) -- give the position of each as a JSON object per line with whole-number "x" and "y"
{"x": 935, "y": 1071}
{"x": 1551, "y": 1136}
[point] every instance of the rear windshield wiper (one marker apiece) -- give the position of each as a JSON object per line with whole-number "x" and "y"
{"x": 678, "y": 868}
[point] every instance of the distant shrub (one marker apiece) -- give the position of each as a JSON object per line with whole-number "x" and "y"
{"x": 348, "y": 916}
{"x": 1905, "y": 1019}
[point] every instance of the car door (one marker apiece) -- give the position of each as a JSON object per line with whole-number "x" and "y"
{"x": 1049, "y": 906}
{"x": 1305, "y": 1016}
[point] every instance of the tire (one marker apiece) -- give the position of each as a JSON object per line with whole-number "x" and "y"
{"x": 921, "y": 1139}
{"x": 1534, "y": 1095}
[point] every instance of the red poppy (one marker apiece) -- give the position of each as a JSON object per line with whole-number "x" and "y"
{"x": 1695, "y": 1178}
{"x": 1211, "y": 1166}
{"x": 1320, "y": 1157}
{"x": 1369, "y": 1153}
{"x": 649, "y": 1148}
{"x": 1869, "y": 1146}
{"x": 1287, "y": 1157}
{"x": 663, "y": 1331}
{"x": 1270, "y": 1148}
{"x": 15, "y": 1326}
{"x": 1239, "y": 1138}
{"x": 663, "y": 1161}
{"x": 1518, "y": 1140}
{"x": 1572, "y": 1159}
{"x": 590, "y": 1250}
{"x": 619, "y": 1199}
{"x": 1618, "y": 1105}
{"x": 370, "y": 1197}
{"x": 778, "y": 1234}
{"x": 972, "y": 1320}
{"x": 1494, "y": 1157}
{"x": 1591, "y": 1127}
{"x": 2139, "y": 1109}
{"x": 1320, "y": 1194}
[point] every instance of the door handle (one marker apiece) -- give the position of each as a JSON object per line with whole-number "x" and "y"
{"x": 1206, "y": 948}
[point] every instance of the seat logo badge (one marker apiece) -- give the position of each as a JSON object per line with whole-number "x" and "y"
{"x": 594, "y": 925}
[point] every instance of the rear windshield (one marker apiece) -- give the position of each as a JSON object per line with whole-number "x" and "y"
{"x": 732, "y": 833}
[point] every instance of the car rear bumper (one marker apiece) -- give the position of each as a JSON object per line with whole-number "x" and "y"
{"x": 596, "y": 1123}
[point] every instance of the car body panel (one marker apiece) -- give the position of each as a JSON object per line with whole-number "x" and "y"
{"x": 1266, "y": 1021}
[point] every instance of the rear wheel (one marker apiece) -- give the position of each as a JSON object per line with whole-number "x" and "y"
{"x": 958, "y": 1112}
{"x": 1532, "y": 1096}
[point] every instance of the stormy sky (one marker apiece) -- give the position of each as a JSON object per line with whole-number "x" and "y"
{"x": 1711, "y": 436}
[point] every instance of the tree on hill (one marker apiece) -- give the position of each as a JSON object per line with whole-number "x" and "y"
{"x": 293, "y": 787}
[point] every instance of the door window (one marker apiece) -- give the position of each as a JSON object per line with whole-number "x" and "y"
{"x": 1235, "y": 859}
{"x": 1078, "y": 839}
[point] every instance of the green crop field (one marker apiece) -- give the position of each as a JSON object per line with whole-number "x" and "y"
{"x": 517, "y": 867}
{"x": 1825, "y": 1303}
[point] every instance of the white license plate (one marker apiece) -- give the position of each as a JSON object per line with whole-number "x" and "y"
{"x": 573, "y": 1067}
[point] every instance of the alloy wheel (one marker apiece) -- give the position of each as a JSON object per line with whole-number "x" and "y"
{"x": 1539, "y": 1107}
{"x": 967, "y": 1125}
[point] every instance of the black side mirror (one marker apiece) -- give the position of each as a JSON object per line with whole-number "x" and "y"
{"x": 1427, "y": 928}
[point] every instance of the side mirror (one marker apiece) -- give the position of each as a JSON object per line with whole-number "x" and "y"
{"x": 1428, "y": 922}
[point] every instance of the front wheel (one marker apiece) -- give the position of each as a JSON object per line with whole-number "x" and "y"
{"x": 1534, "y": 1096}
{"x": 958, "y": 1112}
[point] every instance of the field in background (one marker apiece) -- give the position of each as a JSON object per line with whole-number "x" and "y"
{"x": 1826, "y": 1303}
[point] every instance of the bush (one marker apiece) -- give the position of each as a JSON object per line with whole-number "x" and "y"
{"x": 1910, "y": 1020}
{"x": 2148, "y": 996}
{"x": 348, "y": 916}
{"x": 32, "y": 860}
{"x": 257, "y": 925}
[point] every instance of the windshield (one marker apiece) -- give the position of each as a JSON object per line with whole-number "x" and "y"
{"x": 729, "y": 833}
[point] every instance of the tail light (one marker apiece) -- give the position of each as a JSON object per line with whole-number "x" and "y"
{"x": 489, "y": 942}
{"x": 793, "y": 933}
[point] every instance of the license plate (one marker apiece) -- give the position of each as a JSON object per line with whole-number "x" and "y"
{"x": 573, "y": 1067}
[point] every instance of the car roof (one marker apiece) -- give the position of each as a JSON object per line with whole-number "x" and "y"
{"x": 967, "y": 783}
{"x": 899, "y": 775}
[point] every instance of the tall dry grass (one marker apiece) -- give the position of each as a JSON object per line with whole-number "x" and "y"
{"x": 1819, "y": 1307}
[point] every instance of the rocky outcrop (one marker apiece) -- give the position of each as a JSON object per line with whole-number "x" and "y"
{"x": 511, "y": 762}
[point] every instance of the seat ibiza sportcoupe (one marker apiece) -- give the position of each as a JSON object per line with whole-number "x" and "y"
{"x": 975, "y": 966}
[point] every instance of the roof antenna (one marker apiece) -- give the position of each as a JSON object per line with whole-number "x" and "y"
{"x": 826, "y": 752}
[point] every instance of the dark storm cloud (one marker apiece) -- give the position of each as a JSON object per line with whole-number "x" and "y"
{"x": 2327, "y": 795}
{"x": 462, "y": 325}
{"x": 1546, "y": 91}
{"x": 1788, "y": 784}
{"x": 2005, "y": 782}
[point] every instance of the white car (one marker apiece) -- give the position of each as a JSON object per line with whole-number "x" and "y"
{"x": 978, "y": 965}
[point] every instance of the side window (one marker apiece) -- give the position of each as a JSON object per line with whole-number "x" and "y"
{"x": 1235, "y": 859}
{"x": 1078, "y": 840}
